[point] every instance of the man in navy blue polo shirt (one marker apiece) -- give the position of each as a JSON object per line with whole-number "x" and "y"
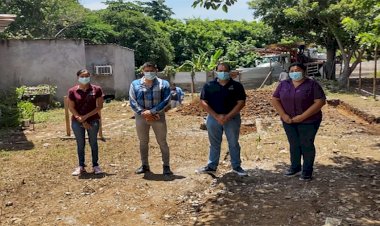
{"x": 223, "y": 99}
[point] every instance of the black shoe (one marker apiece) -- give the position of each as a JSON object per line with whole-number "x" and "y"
{"x": 306, "y": 177}
{"x": 205, "y": 169}
{"x": 167, "y": 171}
{"x": 292, "y": 173}
{"x": 142, "y": 169}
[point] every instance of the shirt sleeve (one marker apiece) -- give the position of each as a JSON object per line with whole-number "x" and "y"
{"x": 166, "y": 98}
{"x": 277, "y": 91}
{"x": 99, "y": 93}
{"x": 318, "y": 92}
{"x": 241, "y": 95}
{"x": 71, "y": 95}
{"x": 204, "y": 95}
{"x": 133, "y": 102}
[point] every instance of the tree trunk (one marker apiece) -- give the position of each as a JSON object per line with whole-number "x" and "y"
{"x": 330, "y": 62}
{"x": 347, "y": 70}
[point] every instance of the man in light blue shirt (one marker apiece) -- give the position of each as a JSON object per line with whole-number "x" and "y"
{"x": 149, "y": 96}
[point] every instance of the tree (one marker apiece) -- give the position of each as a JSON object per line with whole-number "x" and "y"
{"x": 157, "y": 10}
{"x": 324, "y": 21}
{"x": 201, "y": 62}
{"x": 93, "y": 29}
{"x": 206, "y": 35}
{"x": 141, "y": 33}
{"x": 214, "y": 4}
{"x": 41, "y": 18}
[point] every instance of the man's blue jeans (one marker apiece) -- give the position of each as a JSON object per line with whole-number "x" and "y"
{"x": 92, "y": 132}
{"x": 215, "y": 134}
{"x": 301, "y": 140}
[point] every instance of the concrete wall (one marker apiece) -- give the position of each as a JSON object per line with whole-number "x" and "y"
{"x": 34, "y": 62}
{"x": 122, "y": 61}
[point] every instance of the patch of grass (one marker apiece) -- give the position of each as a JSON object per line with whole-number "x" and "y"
{"x": 54, "y": 115}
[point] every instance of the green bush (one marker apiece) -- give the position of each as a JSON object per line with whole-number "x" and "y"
{"x": 9, "y": 113}
{"x": 26, "y": 109}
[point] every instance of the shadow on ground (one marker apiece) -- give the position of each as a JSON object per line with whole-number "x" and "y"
{"x": 345, "y": 191}
{"x": 14, "y": 140}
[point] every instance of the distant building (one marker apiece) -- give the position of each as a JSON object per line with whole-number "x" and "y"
{"x": 55, "y": 62}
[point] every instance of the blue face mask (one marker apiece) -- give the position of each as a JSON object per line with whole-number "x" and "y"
{"x": 223, "y": 75}
{"x": 84, "y": 80}
{"x": 295, "y": 75}
{"x": 150, "y": 75}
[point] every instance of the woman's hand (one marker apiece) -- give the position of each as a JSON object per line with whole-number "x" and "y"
{"x": 287, "y": 118}
{"x": 79, "y": 118}
{"x": 86, "y": 125}
{"x": 298, "y": 119}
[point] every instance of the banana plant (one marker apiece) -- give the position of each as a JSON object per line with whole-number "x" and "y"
{"x": 201, "y": 62}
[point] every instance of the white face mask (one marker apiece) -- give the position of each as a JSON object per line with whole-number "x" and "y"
{"x": 150, "y": 75}
{"x": 84, "y": 80}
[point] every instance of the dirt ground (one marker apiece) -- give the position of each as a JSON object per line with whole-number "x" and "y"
{"x": 36, "y": 186}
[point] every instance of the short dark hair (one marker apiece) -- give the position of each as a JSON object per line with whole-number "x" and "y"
{"x": 149, "y": 64}
{"x": 224, "y": 64}
{"x": 81, "y": 71}
{"x": 298, "y": 64}
{"x": 173, "y": 84}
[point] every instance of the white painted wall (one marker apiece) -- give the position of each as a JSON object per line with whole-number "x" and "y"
{"x": 34, "y": 62}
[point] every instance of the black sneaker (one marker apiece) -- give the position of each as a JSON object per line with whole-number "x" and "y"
{"x": 167, "y": 171}
{"x": 292, "y": 173}
{"x": 239, "y": 171}
{"x": 142, "y": 169}
{"x": 306, "y": 177}
{"x": 205, "y": 169}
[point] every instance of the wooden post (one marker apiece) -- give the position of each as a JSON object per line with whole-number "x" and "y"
{"x": 266, "y": 78}
{"x": 100, "y": 125}
{"x": 375, "y": 75}
{"x": 360, "y": 76}
{"x": 67, "y": 116}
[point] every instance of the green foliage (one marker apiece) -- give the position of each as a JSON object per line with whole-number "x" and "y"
{"x": 169, "y": 71}
{"x": 189, "y": 36}
{"x": 26, "y": 109}
{"x": 349, "y": 24}
{"x": 242, "y": 53}
{"x": 41, "y": 18}
{"x": 139, "y": 32}
{"x": 9, "y": 113}
{"x": 214, "y": 4}
{"x": 157, "y": 10}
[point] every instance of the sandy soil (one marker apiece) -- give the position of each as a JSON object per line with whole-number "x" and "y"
{"x": 36, "y": 186}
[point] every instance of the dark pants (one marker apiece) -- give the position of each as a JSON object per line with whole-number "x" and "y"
{"x": 92, "y": 132}
{"x": 301, "y": 140}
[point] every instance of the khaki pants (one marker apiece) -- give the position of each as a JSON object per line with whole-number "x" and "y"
{"x": 160, "y": 131}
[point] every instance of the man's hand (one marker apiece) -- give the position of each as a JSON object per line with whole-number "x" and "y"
{"x": 147, "y": 114}
{"x": 221, "y": 119}
{"x": 287, "y": 118}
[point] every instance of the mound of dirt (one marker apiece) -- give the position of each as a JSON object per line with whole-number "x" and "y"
{"x": 257, "y": 105}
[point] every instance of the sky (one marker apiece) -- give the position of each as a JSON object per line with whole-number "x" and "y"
{"x": 183, "y": 10}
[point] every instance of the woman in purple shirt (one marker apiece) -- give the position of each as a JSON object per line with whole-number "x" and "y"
{"x": 85, "y": 101}
{"x": 298, "y": 101}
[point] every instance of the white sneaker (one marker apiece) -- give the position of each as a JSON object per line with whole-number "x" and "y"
{"x": 97, "y": 170}
{"x": 78, "y": 171}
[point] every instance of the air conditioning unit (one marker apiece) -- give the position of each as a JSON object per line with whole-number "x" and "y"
{"x": 103, "y": 69}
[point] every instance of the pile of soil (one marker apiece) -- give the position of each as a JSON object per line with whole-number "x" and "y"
{"x": 257, "y": 104}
